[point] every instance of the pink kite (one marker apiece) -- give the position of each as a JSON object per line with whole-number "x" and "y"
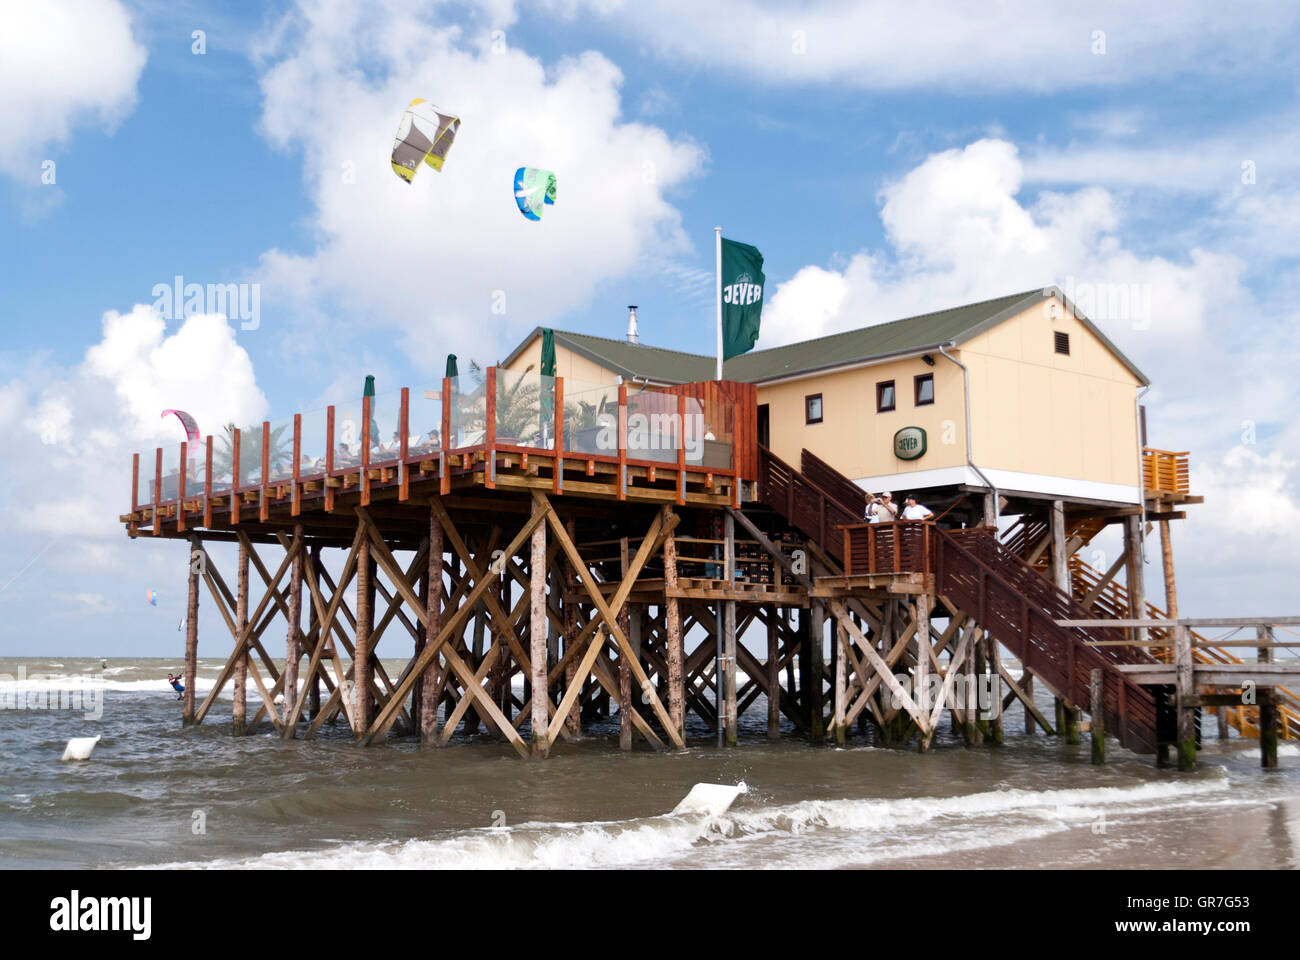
{"x": 190, "y": 425}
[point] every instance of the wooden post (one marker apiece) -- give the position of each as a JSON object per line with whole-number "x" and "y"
{"x": 814, "y": 638}
{"x": 624, "y": 667}
{"x": 313, "y": 696}
{"x": 774, "y": 673}
{"x": 729, "y": 627}
{"x": 841, "y": 682}
{"x": 431, "y": 682}
{"x": 921, "y": 688}
{"x": 1185, "y": 689}
{"x": 361, "y": 651}
{"x": 1267, "y": 708}
{"x": 974, "y": 735}
{"x": 673, "y": 627}
{"x": 1267, "y": 730}
{"x": 293, "y": 639}
{"x": 1027, "y": 685}
{"x": 1137, "y": 594}
{"x": 999, "y": 733}
{"x": 1167, "y": 559}
{"x": 1098, "y": 711}
{"x": 537, "y": 624}
{"x": 573, "y": 723}
{"x": 197, "y": 560}
{"x": 239, "y": 677}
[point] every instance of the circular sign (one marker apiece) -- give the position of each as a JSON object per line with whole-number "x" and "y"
{"x": 909, "y": 443}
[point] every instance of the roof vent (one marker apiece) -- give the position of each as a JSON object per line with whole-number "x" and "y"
{"x": 632, "y": 335}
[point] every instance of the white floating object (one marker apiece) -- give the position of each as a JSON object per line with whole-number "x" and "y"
{"x": 711, "y": 799}
{"x": 79, "y": 748}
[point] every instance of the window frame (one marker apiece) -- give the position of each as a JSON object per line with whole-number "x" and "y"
{"x": 893, "y": 389}
{"x": 807, "y": 408}
{"x": 916, "y": 389}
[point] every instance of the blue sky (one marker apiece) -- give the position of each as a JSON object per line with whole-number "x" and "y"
{"x": 898, "y": 162}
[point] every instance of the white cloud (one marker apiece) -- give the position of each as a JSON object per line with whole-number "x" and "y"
{"x": 71, "y": 432}
{"x": 62, "y": 64}
{"x": 1010, "y": 45}
{"x": 426, "y": 260}
{"x": 959, "y": 233}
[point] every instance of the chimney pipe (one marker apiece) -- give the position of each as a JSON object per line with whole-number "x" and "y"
{"x": 631, "y": 323}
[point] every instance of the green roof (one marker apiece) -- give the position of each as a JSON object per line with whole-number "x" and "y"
{"x": 896, "y": 338}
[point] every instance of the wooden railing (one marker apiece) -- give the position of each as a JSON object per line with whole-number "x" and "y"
{"x": 803, "y": 504}
{"x": 903, "y": 546}
{"x": 832, "y": 482}
{"x": 730, "y": 412}
{"x": 1164, "y": 471}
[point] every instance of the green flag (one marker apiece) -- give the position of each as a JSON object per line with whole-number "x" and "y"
{"x": 742, "y": 297}
{"x": 451, "y": 366}
{"x": 548, "y": 353}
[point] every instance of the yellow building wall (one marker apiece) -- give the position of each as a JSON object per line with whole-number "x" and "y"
{"x": 1037, "y": 411}
{"x": 853, "y": 437}
{"x": 576, "y": 369}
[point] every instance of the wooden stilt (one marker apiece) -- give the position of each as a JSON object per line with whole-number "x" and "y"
{"x": 573, "y": 722}
{"x": 1136, "y": 574}
{"x": 1267, "y": 729}
{"x": 239, "y": 677}
{"x": 924, "y": 651}
{"x": 815, "y": 638}
{"x": 197, "y": 559}
{"x": 1027, "y": 686}
{"x": 773, "y": 674}
{"x": 1097, "y": 726}
{"x": 537, "y": 627}
{"x": 998, "y": 730}
{"x": 673, "y": 628}
{"x": 624, "y": 666}
{"x": 313, "y": 698}
{"x": 432, "y": 682}
{"x": 293, "y": 636}
{"x": 729, "y": 630}
{"x": 361, "y": 654}
{"x": 1185, "y": 690}
{"x": 841, "y": 682}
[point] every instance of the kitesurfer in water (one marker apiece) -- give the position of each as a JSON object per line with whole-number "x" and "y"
{"x": 177, "y": 686}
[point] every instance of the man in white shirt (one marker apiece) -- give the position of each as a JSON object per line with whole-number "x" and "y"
{"x": 914, "y": 511}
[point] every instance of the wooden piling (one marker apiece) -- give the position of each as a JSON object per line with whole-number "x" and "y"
{"x": 841, "y": 682}
{"x": 729, "y": 628}
{"x": 624, "y": 667}
{"x": 921, "y": 686}
{"x": 673, "y": 627}
{"x": 1185, "y": 690}
{"x": 774, "y": 674}
{"x": 1097, "y": 727}
{"x": 573, "y": 722}
{"x": 815, "y": 637}
{"x": 998, "y": 730}
{"x": 431, "y": 683}
{"x": 239, "y": 676}
{"x": 197, "y": 560}
{"x": 537, "y": 630}
{"x": 293, "y": 636}
{"x": 361, "y": 651}
{"x": 1267, "y": 729}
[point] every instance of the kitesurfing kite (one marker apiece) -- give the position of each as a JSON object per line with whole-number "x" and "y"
{"x": 190, "y": 424}
{"x": 152, "y": 597}
{"x": 533, "y": 188}
{"x": 425, "y": 133}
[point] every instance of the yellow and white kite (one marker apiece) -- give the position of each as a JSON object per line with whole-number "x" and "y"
{"x": 425, "y": 133}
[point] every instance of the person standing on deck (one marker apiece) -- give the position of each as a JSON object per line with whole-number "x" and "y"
{"x": 883, "y": 510}
{"x": 914, "y": 511}
{"x": 869, "y": 512}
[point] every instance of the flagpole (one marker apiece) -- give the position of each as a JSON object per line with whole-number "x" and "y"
{"x": 717, "y": 235}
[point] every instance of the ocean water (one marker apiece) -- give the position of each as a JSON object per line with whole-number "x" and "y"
{"x": 153, "y": 794}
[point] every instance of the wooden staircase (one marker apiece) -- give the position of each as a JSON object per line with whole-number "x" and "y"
{"x": 1031, "y": 538}
{"x": 997, "y": 587}
{"x": 1005, "y": 595}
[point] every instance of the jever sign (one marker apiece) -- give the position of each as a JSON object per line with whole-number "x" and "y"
{"x": 909, "y": 443}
